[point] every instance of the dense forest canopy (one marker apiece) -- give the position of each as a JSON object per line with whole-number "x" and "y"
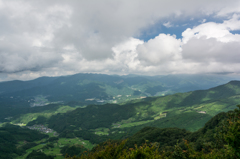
{"x": 219, "y": 138}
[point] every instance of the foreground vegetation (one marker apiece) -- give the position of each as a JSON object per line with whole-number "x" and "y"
{"x": 20, "y": 142}
{"x": 220, "y": 138}
{"x": 15, "y": 140}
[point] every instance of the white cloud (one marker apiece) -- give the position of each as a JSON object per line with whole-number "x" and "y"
{"x": 57, "y": 37}
{"x": 205, "y": 50}
{"x": 159, "y": 50}
{"x": 125, "y": 54}
{"x": 27, "y": 35}
{"x": 213, "y": 42}
{"x": 220, "y": 31}
{"x": 168, "y": 24}
{"x": 203, "y": 21}
{"x": 230, "y": 8}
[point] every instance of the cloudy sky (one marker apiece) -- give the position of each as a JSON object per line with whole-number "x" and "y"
{"x": 148, "y": 37}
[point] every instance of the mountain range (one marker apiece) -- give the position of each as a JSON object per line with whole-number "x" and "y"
{"x": 99, "y": 88}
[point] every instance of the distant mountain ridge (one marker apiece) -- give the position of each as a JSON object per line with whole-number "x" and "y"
{"x": 90, "y": 88}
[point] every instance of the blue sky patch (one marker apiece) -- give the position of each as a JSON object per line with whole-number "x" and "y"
{"x": 175, "y": 27}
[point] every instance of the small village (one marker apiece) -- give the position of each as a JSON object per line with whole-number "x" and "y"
{"x": 43, "y": 129}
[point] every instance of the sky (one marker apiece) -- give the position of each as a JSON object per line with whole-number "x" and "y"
{"x": 146, "y": 37}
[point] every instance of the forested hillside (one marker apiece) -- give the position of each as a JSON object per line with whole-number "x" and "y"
{"x": 219, "y": 138}
{"x": 183, "y": 110}
{"x": 19, "y": 97}
{"x": 94, "y": 87}
{"x": 15, "y": 140}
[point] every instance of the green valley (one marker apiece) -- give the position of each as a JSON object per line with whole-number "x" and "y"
{"x": 76, "y": 126}
{"x": 190, "y": 110}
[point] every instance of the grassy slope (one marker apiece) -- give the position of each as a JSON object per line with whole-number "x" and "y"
{"x": 178, "y": 110}
{"x": 25, "y": 118}
{"x": 57, "y": 147}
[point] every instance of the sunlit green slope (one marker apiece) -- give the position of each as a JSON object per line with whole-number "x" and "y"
{"x": 183, "y": 110}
